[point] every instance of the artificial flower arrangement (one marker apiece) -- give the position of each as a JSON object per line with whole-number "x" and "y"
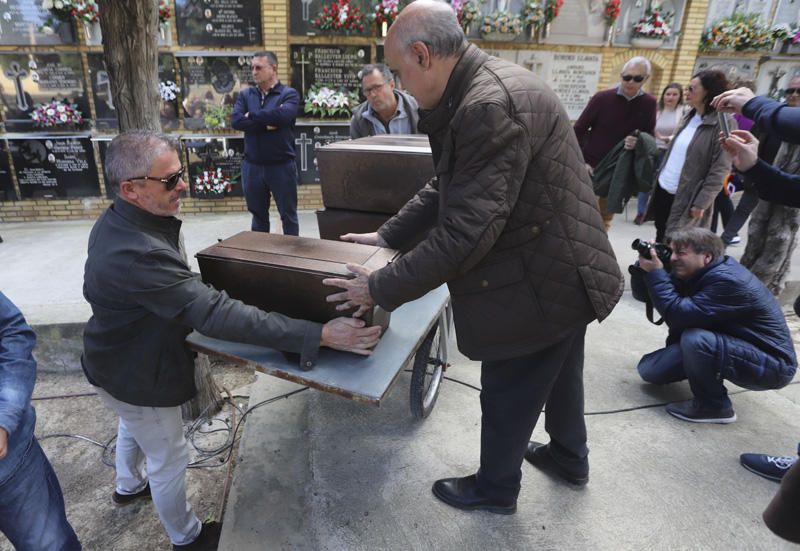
{"x": 164, "y": 12}
{"x": 213, "y": 182}
{"x": 324, "y": 101}
{"x": 611, "y": 12}
{"x": 533, "y": 14}
{"x": 168, "y": 90}
{"x": 386, "y": 11}
{"x": 56, "y": 113}
{"x": 786, "y": 33}
{"x": 217, "y": 115}
{"x": 341, "y": 17}
{"x": 551, "y": 9}
{"x": 64, "y": 10}
{"x": 501, "y": 22}
{"x": 654, "y": 24}
{"x": 738, "y": 32}
{"x": 467, "y": 12}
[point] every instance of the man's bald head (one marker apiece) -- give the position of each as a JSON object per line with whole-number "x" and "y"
{"x": 432, "y": 22}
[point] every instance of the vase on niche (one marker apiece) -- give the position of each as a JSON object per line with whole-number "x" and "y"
{"x": 499, "y": 37}
{"x": 608, "y": 36}
{"x": 544, "y": 32}
{"x": 781, "y": 46}
{"x": 646, "y": 42}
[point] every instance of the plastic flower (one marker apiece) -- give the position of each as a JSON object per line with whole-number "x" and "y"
{"x": 611, "y": 12}
{"x": 215, "y": 182}
{"x": 56, "y": 113}
{"x": 654, "y": 24}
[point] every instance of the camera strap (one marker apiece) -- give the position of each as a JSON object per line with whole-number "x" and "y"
{"x": 649, "y": 308}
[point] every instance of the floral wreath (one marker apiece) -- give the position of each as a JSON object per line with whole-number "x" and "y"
{"x": 212, "y": 181}
{"x": 56, "y": 113}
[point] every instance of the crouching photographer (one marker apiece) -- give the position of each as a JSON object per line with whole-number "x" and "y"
{"x": 723, "y": 325}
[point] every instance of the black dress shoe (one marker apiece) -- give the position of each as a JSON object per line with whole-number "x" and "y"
{"x": 463, "y": 493}
{"x": 538, "y": 455}
{"x": 125, "y": 499}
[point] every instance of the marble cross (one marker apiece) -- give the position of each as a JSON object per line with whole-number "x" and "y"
{"x": 16, "y": 72}
{"x": 303, "y": 141}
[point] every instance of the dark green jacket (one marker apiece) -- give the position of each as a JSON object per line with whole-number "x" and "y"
{"x": 623, "y": 173}
{"x": 145, "y": 301}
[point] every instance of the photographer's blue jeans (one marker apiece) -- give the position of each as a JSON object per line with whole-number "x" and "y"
{"x": 706, "y": 359}
{"x": 32, "y": 506}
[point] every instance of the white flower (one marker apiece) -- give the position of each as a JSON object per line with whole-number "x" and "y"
{"x": 47, "y": 29}
{"x": 58, "y": 4}
{"x": 60, "y": 109}
{"x": 343, "y": 13}
{"x": 47, "y": 4}
{"x": 63, "y": 117}
{"x": 50, "y": 112}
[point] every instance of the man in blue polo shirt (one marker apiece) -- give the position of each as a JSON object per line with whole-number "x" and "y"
{"x": 266, "y": 113}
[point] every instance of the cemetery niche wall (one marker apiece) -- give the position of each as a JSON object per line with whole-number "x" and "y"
{"x": 211, "y": 83}
{"x": 29, "y": 23}
{"x": 214, "y": 166}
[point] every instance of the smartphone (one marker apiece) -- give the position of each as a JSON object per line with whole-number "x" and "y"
{"x": 723, "y": 124}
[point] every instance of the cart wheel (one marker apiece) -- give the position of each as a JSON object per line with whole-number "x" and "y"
{"x": 426, "y": 375}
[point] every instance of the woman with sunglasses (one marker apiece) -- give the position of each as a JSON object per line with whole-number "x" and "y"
{"x": 670, "y": 112}
{"x": 694, "y": 167}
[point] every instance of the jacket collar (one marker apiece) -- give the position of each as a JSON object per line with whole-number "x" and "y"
{"x": 439, "y": 117}
{"x": 142, "y": 218}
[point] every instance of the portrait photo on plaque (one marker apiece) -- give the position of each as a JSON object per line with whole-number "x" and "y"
{"x": 214, "y": 166}
{"x": 33, "y": 81}
{"x": 54, "y": 167}
{"x": 7, "y": 192}
{"x": 309, "y": 138}
{"x": 169, "y": 92}
{"x": 218, "y": 22}
{"x": 31, "y": 23}
{"x": 211, "y": 84}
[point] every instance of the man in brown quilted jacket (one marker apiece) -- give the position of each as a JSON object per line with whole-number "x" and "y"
{"x": 515, "y": 232}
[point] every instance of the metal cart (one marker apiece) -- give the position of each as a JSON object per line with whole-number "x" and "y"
{"x": 417, "y": 338}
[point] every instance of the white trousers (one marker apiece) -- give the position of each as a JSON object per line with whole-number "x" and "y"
{"x": 154, "y": 436}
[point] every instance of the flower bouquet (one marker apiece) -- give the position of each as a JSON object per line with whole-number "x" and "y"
{"x": 652, "y": 29}
{"x": 533, "y": 16}
{"x": 341, "y": 17}
{"x": 164, "y": 12}
{"x": 467, "y": 12}
{"x": 501, "y": 26}
{"x": 217, "y": 116}
{"x": 551, "y": 9}
{"x": 212, "y": 182}
{"x": 611, "y": 13}
{"x": 738, "y": 32}
{"x": 785, "y": 35}
{"x": 386, "y": 11}
{"x": 64, "y": 10}
{"x": 56, "y": 113}
{"x": 323, "y": 101}
{"x": 168, "y": 90}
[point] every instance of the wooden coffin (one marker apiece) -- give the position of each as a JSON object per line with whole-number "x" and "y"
{"x": 374, "y": 174}
{"x": 284, "y": 273}
{"x": 335, "y": 222}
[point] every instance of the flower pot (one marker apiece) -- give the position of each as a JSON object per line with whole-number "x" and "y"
{"x": 499, "y": 37}
{"x": 92, "y": 33}
{"x": 646, "y": 42}
{"x": 544, "y": 32}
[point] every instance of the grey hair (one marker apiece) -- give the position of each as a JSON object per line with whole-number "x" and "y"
{"x": 271, "y": 57}
{"x": 436, "y": 27}
{"x": 701, "y": 241}
{"x": 380, "y": 67}
{"x": 132, "y": 154}
{"x": 638, "y": 60}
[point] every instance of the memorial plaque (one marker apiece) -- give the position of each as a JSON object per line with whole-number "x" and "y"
{"x": 7, "y": 192}
{"x": 734, "y": 68}
{"x": 218, "y": 22}
{"x": 308, "y": 139}
{"x": 578, "y": 22}
{"x": 214, "y": 162}
{"x": 55, "y": 167}
{"x": 572, "y": 76}
{"x": 22, "y": 23}
{"x": 34, "y": 78}
{"x": 104, "y": 102}
{"x": 329, "y": 65}
{"x": 303, "y": 12}
{"x": 774, "y": 75}
{"x": 211, "y": 82}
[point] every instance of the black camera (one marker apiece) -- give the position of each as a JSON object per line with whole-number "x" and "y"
{"x": 645, "y": 249}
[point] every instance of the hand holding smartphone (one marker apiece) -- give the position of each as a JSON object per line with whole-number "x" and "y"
{"x": 723, "y": 124}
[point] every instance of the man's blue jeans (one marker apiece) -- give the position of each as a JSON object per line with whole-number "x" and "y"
{"x": 32, "y": 506}
{"x": 706, "y": 358}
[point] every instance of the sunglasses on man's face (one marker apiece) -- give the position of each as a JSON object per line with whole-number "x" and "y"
{"x": 169, "y": 181}
{"x": 636, "y": 78}
{"x": 790, "y": 91}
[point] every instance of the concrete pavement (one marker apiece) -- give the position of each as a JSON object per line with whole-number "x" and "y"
{"x": 317, "y": 471}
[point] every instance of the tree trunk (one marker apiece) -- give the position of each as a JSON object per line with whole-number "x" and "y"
{"x": 771, "y": 239}
{"x": 130, "y": 47}
{"x": 207, "y": 401}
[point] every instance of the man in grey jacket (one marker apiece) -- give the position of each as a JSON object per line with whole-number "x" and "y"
{"x": 145, "y": 301}
{"x": 387, "y": 110}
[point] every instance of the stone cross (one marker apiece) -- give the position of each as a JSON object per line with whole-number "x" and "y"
{"x": 103, "y": 80}
{"x": 776, "y": 75}
{"x": 303, "y": 141}
{"x": 303, "y": 62}
{"x": 18, "y": 73}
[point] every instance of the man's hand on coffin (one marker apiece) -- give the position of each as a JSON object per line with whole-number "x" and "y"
{"x": 365, "y": 239}
{"x": 356, "y": 291}
{"x": 350, "y": 335}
